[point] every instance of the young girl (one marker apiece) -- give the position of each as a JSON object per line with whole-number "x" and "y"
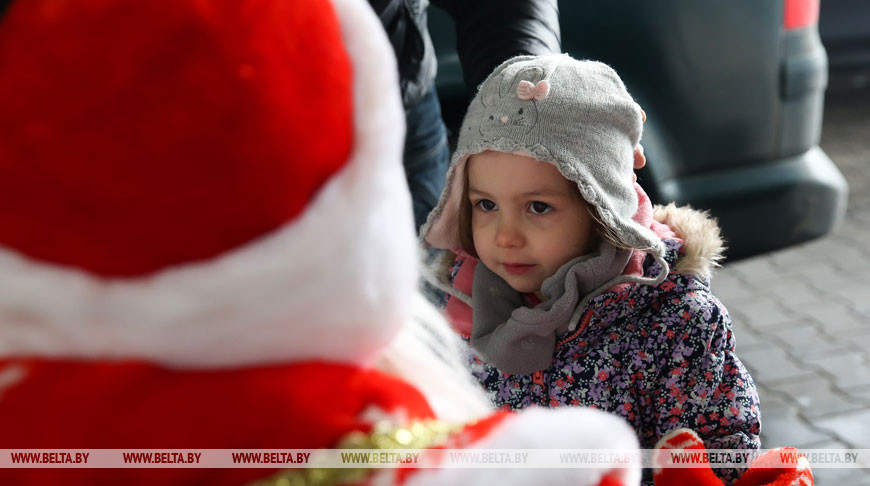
{"x": 569, "y": 287}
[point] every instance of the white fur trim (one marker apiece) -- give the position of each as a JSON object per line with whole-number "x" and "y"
{"x": 430, "y": 355}
{"x": 658, "y": 459}
{"x": 334, "y": 284}
{"x": 703, "y": 247}
{"x": 805, "y": 473}
{"x": 685, "y": 444}
{"x": 803, "y": 464}
{"x": 693, "y": 440}
{"x": 537, "y": 428}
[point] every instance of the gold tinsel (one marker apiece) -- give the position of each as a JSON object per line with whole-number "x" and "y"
{"x": 421, "y": 434}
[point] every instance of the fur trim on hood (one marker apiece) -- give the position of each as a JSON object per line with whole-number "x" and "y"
{"x": 703, "y": 245}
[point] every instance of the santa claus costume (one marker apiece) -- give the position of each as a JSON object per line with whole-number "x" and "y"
{"x": 206, "y": 243}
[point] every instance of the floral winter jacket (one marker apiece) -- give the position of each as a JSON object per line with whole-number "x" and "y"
{"x": 661, "y": 357}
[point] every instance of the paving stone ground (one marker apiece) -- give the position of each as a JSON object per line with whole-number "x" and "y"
{"x": 802, "y": 315}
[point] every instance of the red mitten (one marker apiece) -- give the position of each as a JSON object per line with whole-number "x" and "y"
{"x": 681, "y": 440}
{"x": 768, "y": 470}
{"x": 611, "y": 480}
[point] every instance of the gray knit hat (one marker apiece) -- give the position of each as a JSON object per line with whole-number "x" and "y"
{"x": 574, "y": 114}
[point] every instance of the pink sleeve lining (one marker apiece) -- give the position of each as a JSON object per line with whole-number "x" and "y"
{"x": 644, "y": 217}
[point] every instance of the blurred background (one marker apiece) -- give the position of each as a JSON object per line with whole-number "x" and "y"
{"x": 758, "y": 111}
{"x": 802, "y": 314}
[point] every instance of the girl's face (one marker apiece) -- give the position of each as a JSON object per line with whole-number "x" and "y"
{"x": 526, "y": 219}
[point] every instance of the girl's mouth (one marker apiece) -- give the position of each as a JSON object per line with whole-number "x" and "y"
{"x": 517, "y": 268}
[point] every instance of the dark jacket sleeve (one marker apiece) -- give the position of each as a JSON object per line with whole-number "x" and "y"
{"x": 488, "y": 32}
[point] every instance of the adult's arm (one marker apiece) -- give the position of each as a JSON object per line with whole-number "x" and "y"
{"x": 489, "y": 32}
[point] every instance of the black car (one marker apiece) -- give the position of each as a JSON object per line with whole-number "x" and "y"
{"x": 734, "y": 95}
{"x": 844, "y": 26}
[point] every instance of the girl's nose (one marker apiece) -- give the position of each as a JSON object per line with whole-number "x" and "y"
{"x": 508, "y": 235}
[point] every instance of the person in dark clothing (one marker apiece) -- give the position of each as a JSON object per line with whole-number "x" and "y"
{"x": 488, "y": 32}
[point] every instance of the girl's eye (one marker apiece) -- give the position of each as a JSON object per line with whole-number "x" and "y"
{"x": 538, "y": 207}
{"x": 486, "y": 205}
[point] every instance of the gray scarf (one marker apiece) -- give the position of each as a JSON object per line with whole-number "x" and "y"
{"x": 518, "y": 339}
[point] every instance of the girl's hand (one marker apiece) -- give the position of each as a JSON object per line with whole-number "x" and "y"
{"x": 639, "y": 158}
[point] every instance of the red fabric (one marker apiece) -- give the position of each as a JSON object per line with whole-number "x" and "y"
{"x": 800, "y": 13}
{"x": 683, "y": 439}
{"x": 532, "y": 299}
{"x": 107, "y": 102}
{"x": 767, "y": 470}
{"x": 611, "y": 480}
{"x": 476, "y": 431}
{"x": 68, "y": 404}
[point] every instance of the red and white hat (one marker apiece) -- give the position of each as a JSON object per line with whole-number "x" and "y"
{"x": 206, "y": 241}
{"x": 169, "y": 169}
